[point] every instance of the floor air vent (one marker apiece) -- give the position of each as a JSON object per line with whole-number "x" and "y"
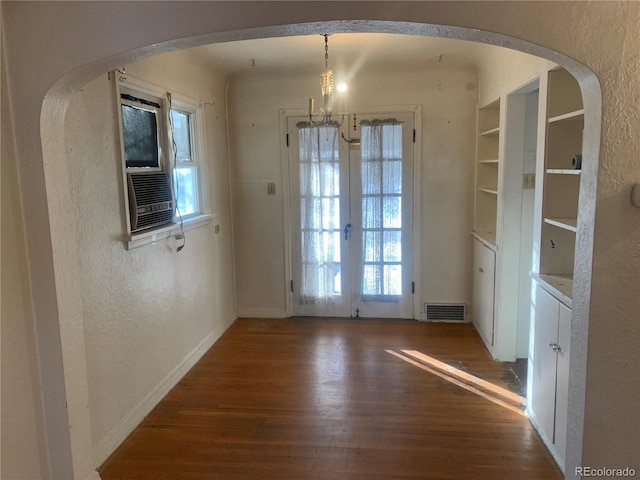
{"x": 445, "y": 312}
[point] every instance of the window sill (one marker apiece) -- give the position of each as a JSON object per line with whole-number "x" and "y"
{"x": 152, "y": 236}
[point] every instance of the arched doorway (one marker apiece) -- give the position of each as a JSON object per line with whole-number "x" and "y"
{"x": 69, "y": 306}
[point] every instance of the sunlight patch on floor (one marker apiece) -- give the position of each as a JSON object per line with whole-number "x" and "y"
{"x": 493, "y": 393}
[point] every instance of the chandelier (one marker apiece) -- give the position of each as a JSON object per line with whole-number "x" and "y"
{"x": 330, "y": 100}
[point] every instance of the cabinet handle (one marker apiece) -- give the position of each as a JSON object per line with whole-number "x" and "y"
{"x": 481, "y": 270}
{"x": 555, "y": 347}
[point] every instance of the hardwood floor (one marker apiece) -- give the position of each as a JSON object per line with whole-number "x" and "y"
{"x": 311, "y": 399}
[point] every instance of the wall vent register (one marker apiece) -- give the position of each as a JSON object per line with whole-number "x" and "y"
{"x": 445, "y": 312}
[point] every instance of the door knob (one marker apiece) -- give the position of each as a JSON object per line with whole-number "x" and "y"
{"x": 346, "y": 231}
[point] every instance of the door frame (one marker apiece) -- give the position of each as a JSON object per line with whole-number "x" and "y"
{"x": 416, "y": 110}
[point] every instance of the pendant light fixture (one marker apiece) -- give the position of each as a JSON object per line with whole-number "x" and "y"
{"x": 328, "y": 91}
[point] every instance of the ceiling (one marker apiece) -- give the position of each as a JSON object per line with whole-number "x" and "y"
{"x": 347, "y": 51}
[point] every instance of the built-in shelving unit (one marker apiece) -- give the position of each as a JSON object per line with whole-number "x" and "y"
{"x": 555, "y": 237}
{"x": 488, "y": 161}
{"x": 485, "y": 230}
{"x": 561, "y": 183}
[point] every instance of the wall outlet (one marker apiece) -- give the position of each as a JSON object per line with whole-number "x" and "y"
{"x": 271, "y": 188}
{"x": 216, "y": 229}
{"x": 529, "y": 180}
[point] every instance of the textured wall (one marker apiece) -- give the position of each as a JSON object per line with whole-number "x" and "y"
{"x": 79, "y": 40}
{"x": 146, "y": 309}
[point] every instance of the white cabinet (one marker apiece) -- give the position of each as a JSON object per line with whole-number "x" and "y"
{"x": 549, "y": 367}
{"x": 484, "y": 266}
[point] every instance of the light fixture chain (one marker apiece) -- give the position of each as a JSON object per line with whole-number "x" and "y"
{"x": 326, "y": 51}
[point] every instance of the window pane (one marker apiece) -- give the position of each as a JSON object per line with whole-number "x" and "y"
{"x": 181, "y": 135}
{"x": 140, "y": 132}
{"x": 186, "y": 190}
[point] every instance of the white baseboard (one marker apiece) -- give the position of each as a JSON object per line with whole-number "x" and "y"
{"x": 251, "y": 312}
{"x": 120, "y": 432}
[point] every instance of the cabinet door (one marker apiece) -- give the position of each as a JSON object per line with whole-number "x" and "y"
{"x": 562, "y": 382}
{"x": 543, "y": 380}
{"x": 484, "y": 265}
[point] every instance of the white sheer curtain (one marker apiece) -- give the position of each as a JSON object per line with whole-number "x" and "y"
{"x": 319, "y": 213}
{"x": 381, "y": 175}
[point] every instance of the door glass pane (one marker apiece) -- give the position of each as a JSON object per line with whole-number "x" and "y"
{"x": 392, "y": 174}
{"x": 371, "y": 280}
{"x": 381, "y": 179}
{"x": 319, "y": 214}
{"x": 392, "y": 216}
{"x": 392, "y": 246}
{"x": 372, "y": 246}
{"x": 392, "y": 280}
{"x": 371, "y": 212}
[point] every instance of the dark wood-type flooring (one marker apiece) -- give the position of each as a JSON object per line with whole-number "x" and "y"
{"x": 311, "y": 399}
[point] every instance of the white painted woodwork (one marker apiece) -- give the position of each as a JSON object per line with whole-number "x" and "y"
{"x": 555, "y": 230}
{"x": 483, "y": 290}
{"x": 515, "y": 225}
{"x": 403, "y": 307}
{"x": 559, "y": 185}
{"x": 549, "y": 370}
{"x": 562, "y": 381}
{"x": 504, "y": 211}
{"x": 543, "y": 373}
{"x": 488, "y": 164}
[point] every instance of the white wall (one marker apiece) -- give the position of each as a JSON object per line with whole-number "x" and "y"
{"x": 504, "y": 71}
{"x": 448, "y": 94}
{"x": 144, "y": 310}
{"x": 23, "y": 448}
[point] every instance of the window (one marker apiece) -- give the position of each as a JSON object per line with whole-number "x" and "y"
{"x": 185, "y": 170}
{"x": 161, "y": 144}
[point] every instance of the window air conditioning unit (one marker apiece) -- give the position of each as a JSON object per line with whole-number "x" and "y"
{"x": 151, "y": 201}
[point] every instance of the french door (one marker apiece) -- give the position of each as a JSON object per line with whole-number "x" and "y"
{"x": 351, "y": 217}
